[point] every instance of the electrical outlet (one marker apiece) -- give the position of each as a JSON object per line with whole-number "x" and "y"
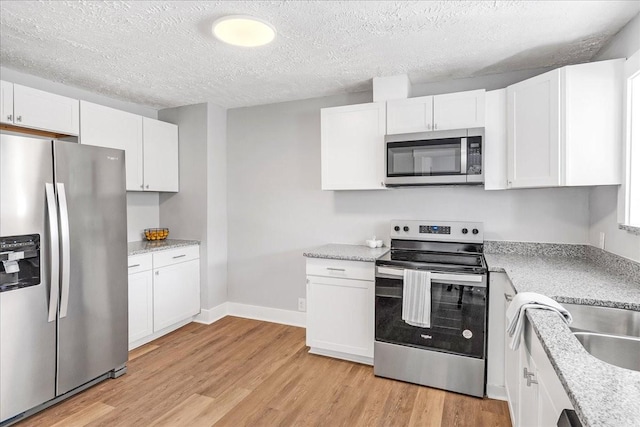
{"x": 601, "y": 240}
{"x": 302, "y": 304}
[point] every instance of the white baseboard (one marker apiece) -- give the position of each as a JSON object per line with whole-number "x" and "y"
{"x": 498, "y": 392}
{"x": 340, "y": 355}
{"x": 268, "y": 314}
{"x": 211, "y": 315}
{"x": 160, "y": 333}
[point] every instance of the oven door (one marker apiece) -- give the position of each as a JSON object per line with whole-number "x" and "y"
{"x": 458, "y": 313}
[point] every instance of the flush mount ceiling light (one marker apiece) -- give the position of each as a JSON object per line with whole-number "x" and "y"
{"x": 243, "y": 30}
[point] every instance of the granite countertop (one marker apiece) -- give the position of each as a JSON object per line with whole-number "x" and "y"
{"x": 143, "y": 247}
{"x": 347, "y": 252}
{"x": 602, "y": 394}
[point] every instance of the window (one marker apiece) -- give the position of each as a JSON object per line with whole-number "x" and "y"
{"x": 631, "y": 183}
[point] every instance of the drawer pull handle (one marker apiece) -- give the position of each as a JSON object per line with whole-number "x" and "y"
{"x": 335, "y": 269}
{"x": 179, "y": 256}
{"x": 134, "y": 265}
{"x": 508, "y": 297}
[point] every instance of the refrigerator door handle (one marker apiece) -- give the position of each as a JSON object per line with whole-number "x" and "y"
{"x": 66, "y": 251}
{"x": 54, "y": 292}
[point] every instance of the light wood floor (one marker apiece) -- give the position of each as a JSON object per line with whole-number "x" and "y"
{"x": 240, "y": 372}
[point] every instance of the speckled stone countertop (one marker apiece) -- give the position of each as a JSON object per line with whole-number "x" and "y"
{"x": 142, "y": 247}
{"x": 602, "y": 394}
{"x": 346, "y": 252}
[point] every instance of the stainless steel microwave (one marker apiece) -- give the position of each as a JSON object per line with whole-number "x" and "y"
{"x": 435, "y": 158}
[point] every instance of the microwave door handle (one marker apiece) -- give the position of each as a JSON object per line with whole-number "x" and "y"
{"x": 463, "y": 156}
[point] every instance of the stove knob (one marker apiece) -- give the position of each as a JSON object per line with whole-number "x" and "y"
{"x": 396, "y": 228}
{"x": 465, "y": 231}
{"x": 475, "y": 231}
{"x": 406, "y": 228}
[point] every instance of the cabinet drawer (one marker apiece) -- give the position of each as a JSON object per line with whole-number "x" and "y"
{"x": 174, "y": 256}
{"x": 139, "y": 263}
{"x": 358, "y": 270}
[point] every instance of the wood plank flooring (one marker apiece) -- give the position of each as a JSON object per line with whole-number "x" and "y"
{"x": 241, "y": 372}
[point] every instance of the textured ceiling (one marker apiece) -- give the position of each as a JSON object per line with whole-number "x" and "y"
{"x": 162, "y": 54}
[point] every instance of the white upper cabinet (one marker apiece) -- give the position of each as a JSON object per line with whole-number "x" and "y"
{"x": 6, "y": 102}
{"x": 410, "y": 115}
{"x": 533, "y": 149}
{"x": 107, "y": 127}
{"x": 495, "y": 140}
{"x": 151, "y": 146}
{"x": 41, "y": 110}
{"x": 460, "y": 110}
{"x": 352, "y": 147}
{"x": 564, "y": 127}
{"x": 160, "y": 142}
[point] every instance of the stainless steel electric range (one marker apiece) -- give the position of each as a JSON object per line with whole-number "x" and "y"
{"x": 450, "y": 354}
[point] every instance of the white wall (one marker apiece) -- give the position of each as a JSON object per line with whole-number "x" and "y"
{"x": 276, "y": 209}
{"x": 217, "y": 205}
{"x": 199, "y": 210}
{"x": 142, "y": 212}
{"x": 185, "y": 212}
{"x": 603, "y": 200}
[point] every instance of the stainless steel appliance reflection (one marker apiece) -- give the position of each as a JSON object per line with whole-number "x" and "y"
{"x": 450, "y": 353}
{"x": 63, "y": 275}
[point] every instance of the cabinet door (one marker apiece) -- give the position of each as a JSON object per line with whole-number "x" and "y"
{"x": 410, "y": 115}
{"x": 160, "y": 146}
{"x": 533, "y": 132}
{"x": 461, "y": 110}
{"x": 352, "y": 147}
{"x": 495, "y": 140}
{"x": 176, "y": 293}
{"x": 36, "y": 109}
{"x": 107, "y": 127}
{"x": 512, "y": 370}
{"x": 140, "y": 305}
{"x": 528, "y": 413}
{"x": 498, "y": 286}
{"x": 340, "y": 315}
{"x": 6, "y": 102}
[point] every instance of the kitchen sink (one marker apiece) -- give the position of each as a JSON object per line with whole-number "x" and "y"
{"x": 610, "y": 334}
{"x": 615, "y": 350}
{"x": 604, "y": 320}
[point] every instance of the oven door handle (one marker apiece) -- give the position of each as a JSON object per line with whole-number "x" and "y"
{"x": 440, "y": 277}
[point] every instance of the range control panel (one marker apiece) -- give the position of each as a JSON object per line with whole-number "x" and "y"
{"x": 434, "y": 229}
{"x": 440, "y": 231}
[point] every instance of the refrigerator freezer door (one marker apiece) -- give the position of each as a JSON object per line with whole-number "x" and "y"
{"x": 92, "y": 330}
{"x": 27, "y": 339}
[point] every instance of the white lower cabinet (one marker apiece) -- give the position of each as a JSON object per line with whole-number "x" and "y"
{"x": 176, "y": 293}
{"x": 536, "y": 396}
{"x": 340, "y": 309}
{"x": 140, "y": 305}
{"x": 164, "y": 292}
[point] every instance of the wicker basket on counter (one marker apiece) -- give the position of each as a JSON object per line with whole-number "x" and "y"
{"x": 156, "y": 233}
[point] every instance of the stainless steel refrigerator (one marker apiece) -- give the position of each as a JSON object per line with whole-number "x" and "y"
{"x": 63, "y": 271}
